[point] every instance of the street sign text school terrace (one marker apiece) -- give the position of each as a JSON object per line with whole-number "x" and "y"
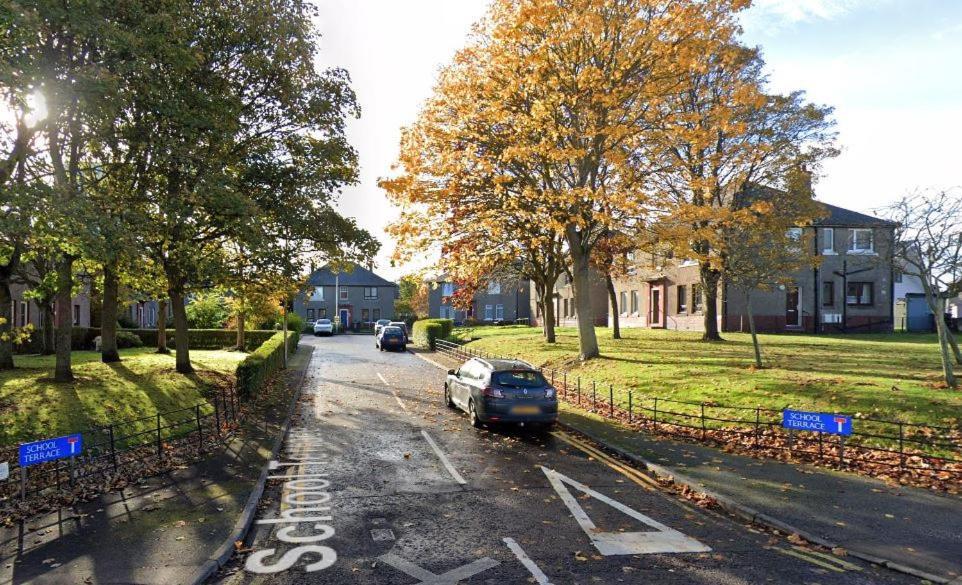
{"x": 50, "y": 449}
{"x": 819, "y": 422}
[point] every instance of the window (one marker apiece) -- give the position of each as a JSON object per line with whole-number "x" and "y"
{"x": 828, "y": 294}
{"x": 499, "y": 312}
{"x": 318, "y": 294}
{"x": 488, "y": 312}
{"x": 494, "y": 288}
{"x": 565, "y": 312}
{"x": 863, "y": 241}
{"x": 682, "y": 299}
{"x": 634, "y": 302}
{"x": 310, "y": 314}
{"x": 321, "y": 313}
{"x": 365, "y": 315}
{"x": 630, "y": 256}
{"x": 24, "y": 316}
{"x": 574, "y": 310}
{"x": 76, "y": 315}
{"x": 377, "y": 315}
{"x": 344, "y": 293}
{"x": 795, "y": 234}
{"x": 860, "y": 294}
{"x": 370, "y": 293}
{"x": 447, "y": 289}
{"x": 623, "y": 301}
{"x": 897, "y": 276}
{"x": 828, "y": 241}
{"x": 695, "y": 298}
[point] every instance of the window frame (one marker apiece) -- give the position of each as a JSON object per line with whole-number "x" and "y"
{"x": 447, "y": 289}
{"x": 489, "y": 312}
{"x": 828, "y": 298}
{"x": 858, "y": 297}
{"x": 318, "y": 297}
{"x": 828, "y": 241}
{"x": 697, "y": 305}
{"x": 681, "y": 296}
{"x": 344, "y": 294}
{"x": 853, "y": 245}
{"x": 494, "y": 288}
{"x": 371, "y": 293}
{"x": 623, "y": 301}
{"x": 499, "y": 312}
{"x": 634, "y": 302}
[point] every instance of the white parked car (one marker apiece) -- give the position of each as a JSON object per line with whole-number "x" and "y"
{"x": 323, "y": 327}
{"x": 380, "y": 324}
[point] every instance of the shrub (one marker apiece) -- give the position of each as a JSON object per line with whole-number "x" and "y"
{"x": 426, "y": 332}
{"x": 208, "y": 310}
{"x": 127, "y": 339}
{"x": 263, "y": 362}
{"x": 294, "y": 322}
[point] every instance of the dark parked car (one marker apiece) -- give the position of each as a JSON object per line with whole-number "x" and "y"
{"x": 402, "y": 326}
{"x": 501, "y": 391}
{"x": 391, "y": 338}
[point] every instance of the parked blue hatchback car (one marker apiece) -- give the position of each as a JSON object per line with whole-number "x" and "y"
{"x": 503, "y": 391}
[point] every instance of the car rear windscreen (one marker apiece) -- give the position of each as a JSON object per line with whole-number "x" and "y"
{"x": 323, "y": 321}
{"x": 519, "y": 379}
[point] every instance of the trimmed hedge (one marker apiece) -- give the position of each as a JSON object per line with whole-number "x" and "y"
{"x": 263, "y": 362}
{"x": 447, "y": 326}
{"x": 426, "y": 332}
{"x": 83, "y": 338}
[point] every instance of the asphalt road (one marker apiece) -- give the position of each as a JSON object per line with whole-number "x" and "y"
{"x": 383, "y": 484}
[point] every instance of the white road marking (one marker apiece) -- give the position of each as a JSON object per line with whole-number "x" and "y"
{"x": 444, "y": 459}
{"x": 664, "y": 540}
{"x": 536, "y": 572}
{"x": 401, "y": 402}
{"x": 382, "y": 379}
{"x": 452, "y": 577}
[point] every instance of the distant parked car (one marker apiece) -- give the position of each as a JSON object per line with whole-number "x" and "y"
{"x": 380, "y": 324}
{"x": 323, "y": 327}
{"x": 501, "y": 391}
{"x": 391, "y": 337}
{"x": 403, "y": 327}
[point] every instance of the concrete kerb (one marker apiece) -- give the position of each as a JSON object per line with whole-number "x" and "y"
{"x": 742, "y": 511}
{"x": 225, "y": 551}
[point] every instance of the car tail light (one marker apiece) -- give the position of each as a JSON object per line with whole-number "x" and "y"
{"x": 492, "y": 392}
{"x": 550, "y": 392}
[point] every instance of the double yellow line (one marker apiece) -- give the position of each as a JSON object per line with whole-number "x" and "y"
{"x": 818, "y": 558}
{"x": 633, "y": 474}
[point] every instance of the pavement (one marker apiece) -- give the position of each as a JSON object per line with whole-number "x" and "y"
{"x": 161, "y": 530}
{"x": 379, "y": 482}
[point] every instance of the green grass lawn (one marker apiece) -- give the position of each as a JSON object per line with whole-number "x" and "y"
{"x": 32, "y": 406}
{"x": 893, "y": 376}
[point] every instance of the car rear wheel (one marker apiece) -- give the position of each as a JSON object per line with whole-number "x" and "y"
{"x": 473, "y": 415}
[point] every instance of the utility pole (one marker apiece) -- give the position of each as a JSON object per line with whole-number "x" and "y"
{"x": 337, "y": 298}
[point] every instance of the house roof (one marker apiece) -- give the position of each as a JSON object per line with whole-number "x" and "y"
{"x": 359, "y": 276}
{"x": 839, "y": 216}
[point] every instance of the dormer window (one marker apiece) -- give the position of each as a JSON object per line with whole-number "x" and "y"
{"x": 794, "y": 234}
{"x": 863, "y": 241}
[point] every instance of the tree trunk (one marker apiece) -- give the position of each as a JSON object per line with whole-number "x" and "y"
{"x": 49, "y": 344}
{"x": 615, "y": 315}
{"x": 108, "y": 315}
{"x": 581, "y": 279}
{"x": 6, "y": 326}
{"x": 751, "y": 327}
{"x": 549, "y": 316}
{"x": 63, "y": 372}
{"x": 181, "y": 333}
{"x": 954, "y": 345}
{"x": 162, "y": 327}
{"x": 709, "y": 285}
{"x": 241, "y": 342}
{"x": 936, "y": 305}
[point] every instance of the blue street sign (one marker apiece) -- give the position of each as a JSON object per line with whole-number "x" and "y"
{"x": 50, "y": 449}
{"x": 819, "y": 422}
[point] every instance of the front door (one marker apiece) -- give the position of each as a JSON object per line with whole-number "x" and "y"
{"x": 793, "y": 313}
{"x": 345, "y": 318}
{"x": 655, "y": 316}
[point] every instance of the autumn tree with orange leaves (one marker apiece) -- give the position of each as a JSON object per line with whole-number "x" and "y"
{"x": 723, "y": 139}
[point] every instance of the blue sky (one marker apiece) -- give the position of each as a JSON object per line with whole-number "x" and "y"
{"x": 891, "y": 68}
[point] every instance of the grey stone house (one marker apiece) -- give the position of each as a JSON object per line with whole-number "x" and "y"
{"x": 25, "y": 311}
{"x": 566, "y": 313}
{"x": 497, "y": 302}
{"x": 852, "y": 288}
{"x": 355, "y": 296}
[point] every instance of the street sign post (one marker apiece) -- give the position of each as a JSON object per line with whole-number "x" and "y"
{"x": 50, "y": 449}
{"x": 4, "y": 470}
{"x": 819, "y": 422}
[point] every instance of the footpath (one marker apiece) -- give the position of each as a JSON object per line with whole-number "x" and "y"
{"x": 908, "y": 529}
{"x": 163, "y": 529}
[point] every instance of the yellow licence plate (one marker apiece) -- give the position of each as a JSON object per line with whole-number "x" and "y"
{"x": 525, "y": 410}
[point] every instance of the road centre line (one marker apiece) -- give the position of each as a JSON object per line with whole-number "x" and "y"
{"x": 396, "y": 396}
{"x": 382, "y": 379}
{"x": 529, "y": 564}
{"x": 444, "y": 459}
{"x": 829, "y": 558}
{"x": 814, "y": 561}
